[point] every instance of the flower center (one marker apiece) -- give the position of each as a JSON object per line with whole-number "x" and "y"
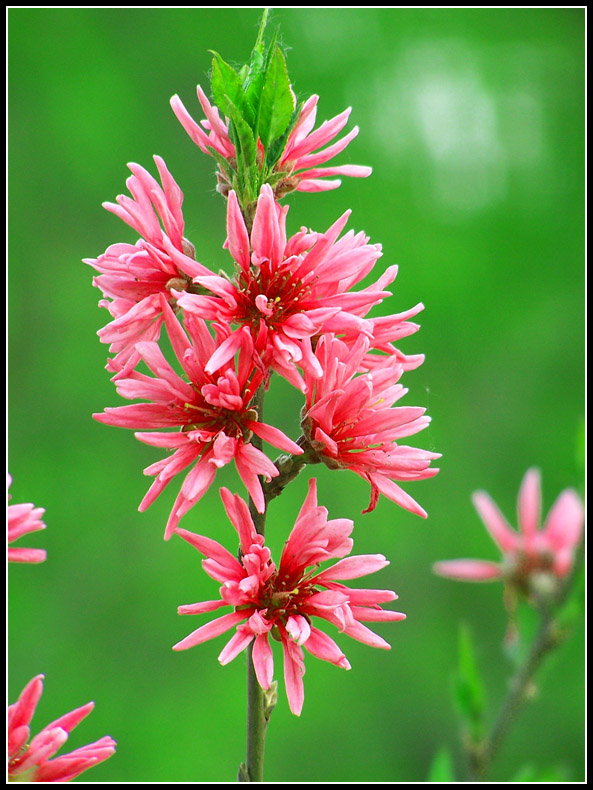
{"x": 269, "y": 295}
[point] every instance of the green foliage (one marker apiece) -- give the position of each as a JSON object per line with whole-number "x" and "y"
{"x": 243, "y": 136}
{"x": 468, "y": 689}
{"x": 259, "y": 103}
{"x": 441, "y": 769}
{"x": 227, "y": 86}
{"x": 276, "y": 105}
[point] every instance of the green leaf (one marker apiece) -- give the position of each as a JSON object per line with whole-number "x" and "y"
{"x": 276, "y": 103}
{"x": 254, "y": 80}
{"x": 469, "y": 694}
{"x": 280, "y": 144}
{"x": 243, "y": 136}
{"x": 273, "y": 178}
{"x": 227, "y": 85}
{"x": 222, "y": 163}
{"x": 441, "y": 769}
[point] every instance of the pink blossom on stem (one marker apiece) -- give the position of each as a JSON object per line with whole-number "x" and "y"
{"x": 29, "y": 759}
{"x": 282, "y": 601}
{"x": 288, "y": 292}
{"x": 134, "y": 276}
{"x": 22, "y": 519}
{"x": 530, "y": 550}
{"x": 300, "y": 159}
{"x": 212, "y": 410}
{"x": 350, "y": 423}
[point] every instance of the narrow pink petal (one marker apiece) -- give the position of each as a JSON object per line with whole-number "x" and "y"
{"x": 22, "y": 711}
{"x": 263, "y": 661}
{"x": 275, "y": 437}
{"x": 42, "y": 747}
{"x": 468, "y": 570}
{"x": 495, "y": 522}
{"x": 240, "y": 518}
{"x": 529, "y": 505}
{"x": 363, "y": 634}
{"x": 562, "y": 562}
{"x": 313, "y": 159}
{"x": 564, "y": 523}
{"x": 200, "y": 608}
{"x": 354, "y": 567}
{"x": 18, "y": 738}
{"x": 267, "y": 235}
{"x": 376, "y": 615}
{"x": 210, "y": 548}
{"x": 294, "y": 669}
{"x": 26, "y": 555}
{"x": 235, "y": 645}
{"x": 326, "y": 132}
{"x": 317, "y": 185}
{"x": 69, "y": 766}
{"x": 225, "y": 351}
{"x": 210, "y": 630}
{"x": 71, "y": 720}
{"x": 356, "y": 171}
{"x": 196, "y": 133}
{"x": 392, "y": 491}
{"x": 322, "y": 646}
{"x": 237, "y": 233}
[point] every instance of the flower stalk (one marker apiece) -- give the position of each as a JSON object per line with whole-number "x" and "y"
{"x": 549, "y": 635}
{"x": 256, "y": 719}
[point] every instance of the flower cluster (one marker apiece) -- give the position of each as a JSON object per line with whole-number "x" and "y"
{"x": 294, "y": 305}
{"x": 280, "y": 601}
{"x": 288, "y": 308}
{"x": 530, "y": 553}
{"x": 22, "y": 519}
{"x": 29, "y": 758}
{"x": 300, "y": 159}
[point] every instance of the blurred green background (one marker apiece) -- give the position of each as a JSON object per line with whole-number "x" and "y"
{"x": 473, "y": 123}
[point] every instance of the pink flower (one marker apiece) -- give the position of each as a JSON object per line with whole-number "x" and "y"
{"x": 300, "y": 158}
{"x": 290, "y": 291}
{"x": 531, "y": 550}
{"x": 350, "y": 424}
{"x": 212, "y": 410}
{"x": 134, "y": 276}
{"x": 22, "y": 519}
{"x": 281, "y": 601}
{"x": 28, "y": 760}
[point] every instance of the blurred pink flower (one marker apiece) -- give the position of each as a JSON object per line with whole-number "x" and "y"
{"x": 134, "y": 276}
{"x": 531, "y": 550}
{"x": 212, "y": 410}
{"x": 22, "y": 519}
{"x": 290, "y": 291}
{"x": 300, "y": 158}
{"x": 280, "y": 601}
{"x": 349, "y": 422}
{"x": 28, "y": 760}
